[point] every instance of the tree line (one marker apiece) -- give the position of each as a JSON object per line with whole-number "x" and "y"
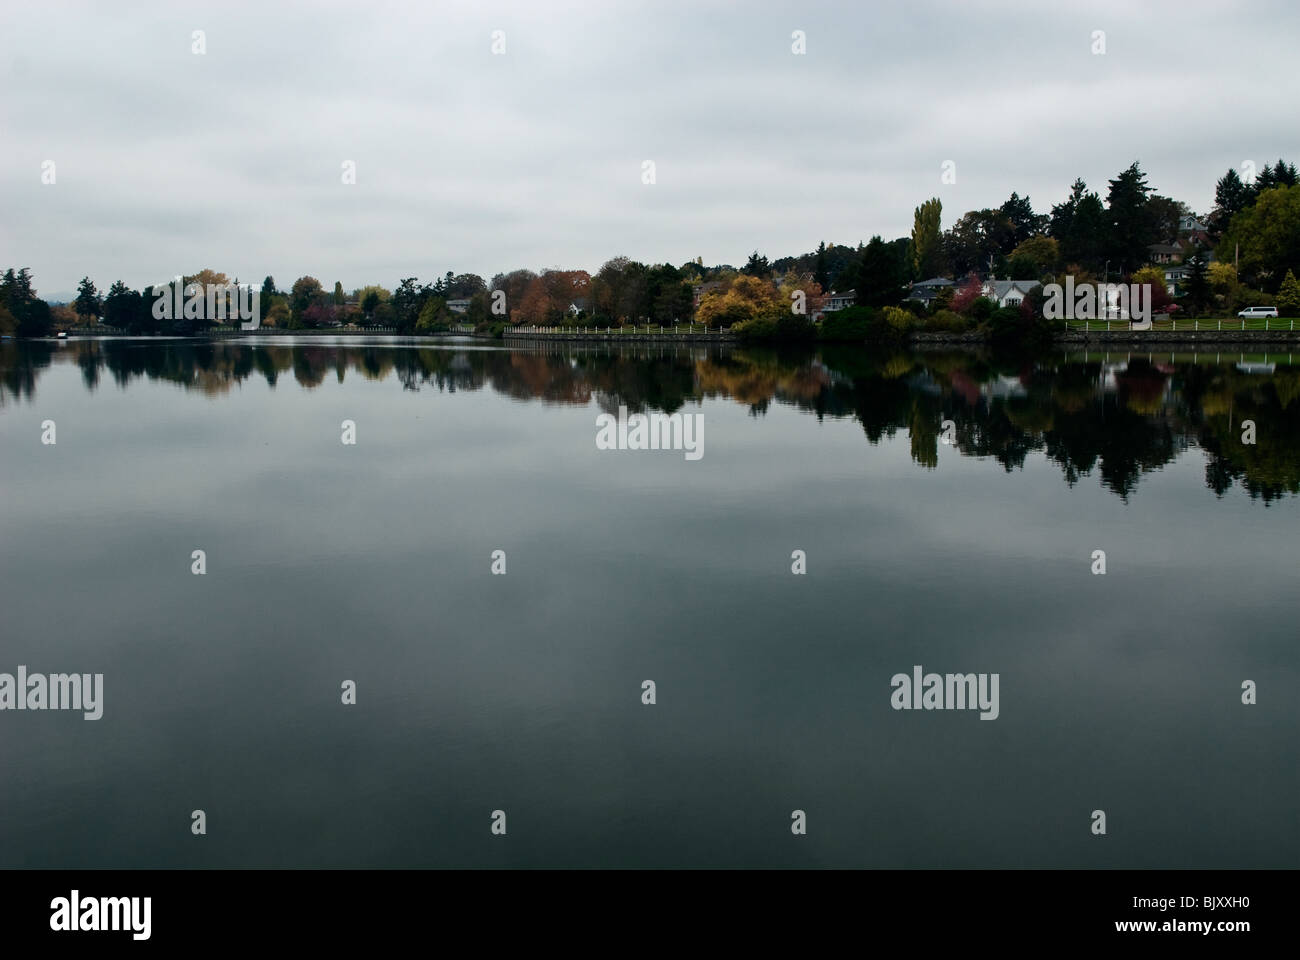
{"x": 1253, "y": 232}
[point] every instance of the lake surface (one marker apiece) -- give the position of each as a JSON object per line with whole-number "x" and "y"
{"x": 372, "y": 562}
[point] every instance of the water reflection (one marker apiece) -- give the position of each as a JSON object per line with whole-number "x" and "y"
{"x": 1115, "y": 417}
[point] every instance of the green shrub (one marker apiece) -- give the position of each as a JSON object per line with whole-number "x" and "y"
{"x": 1006, "y": 322}
{"x": 981, "y": 309}
{"x": 946, "y": 321}
{"x": 785, "y": 326}
{"x": 1244, "y": 296}
{"x": 899, "y": 319}
{"x": 851, "y": 323}
{"x": 759, "y": 328}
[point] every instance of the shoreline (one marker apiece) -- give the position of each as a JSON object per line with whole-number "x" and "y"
{"x": 1123, "y": 336}
{"x": 916, "y": 338}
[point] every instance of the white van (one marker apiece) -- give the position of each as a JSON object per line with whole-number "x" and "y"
{"x": 1253, "y": 312}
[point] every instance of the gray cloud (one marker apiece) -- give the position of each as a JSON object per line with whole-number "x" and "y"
{"x": 169, "y": 161}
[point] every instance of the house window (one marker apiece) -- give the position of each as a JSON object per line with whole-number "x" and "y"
{"x": 1013, "y": 301}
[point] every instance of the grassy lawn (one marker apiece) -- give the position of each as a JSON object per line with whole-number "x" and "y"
{"x": 1234, "y": 323}
{"x": 682, "y": 328}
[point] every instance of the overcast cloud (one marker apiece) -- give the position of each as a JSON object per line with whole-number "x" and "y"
{"x": 468, "y": 161}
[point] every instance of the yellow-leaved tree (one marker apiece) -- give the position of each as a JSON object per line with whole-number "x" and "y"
{"x": 746, "y": 298}
{"x": 1222, "y": 277}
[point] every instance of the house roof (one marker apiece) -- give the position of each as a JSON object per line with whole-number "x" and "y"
{"x": 935, "y": 282}
{"x": 1165, "y": 247}
{"x": 1000, "y": 288}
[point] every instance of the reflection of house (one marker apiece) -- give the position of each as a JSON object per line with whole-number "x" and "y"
{"x": 1002, "y": 387}
{"x": 1008, "y": 293}
{"x": 1110, "y": 374}
{"x": 927, "y": 290}
{"x": 458, "y": 306}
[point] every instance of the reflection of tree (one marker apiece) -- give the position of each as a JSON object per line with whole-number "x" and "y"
{"x": 1131, "y": 445}
{"x": 20, "y": 363}
{"x": 881, "y": 405}
{"x": 1004, "y": 407}
{"x": 757, "y": 377}
{"x": 1286, "y": 386}
{"x": 1268, "y": 468}
{"x": 1074, "y": 387}
{"x": 310, "y": 364}
{"x": 90, "y": 364}
{"x": 923, "y": 431}
{"x": 1143, "y": 387}
{"x": 985, "y": 431}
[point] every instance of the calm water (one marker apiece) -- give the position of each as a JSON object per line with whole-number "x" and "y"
{"x": 522, "y": 693}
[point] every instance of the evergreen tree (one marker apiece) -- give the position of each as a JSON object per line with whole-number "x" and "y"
{"x": 1079, "y": 226}
{"x": 820, "y": 271}
{"x": 1281, "y": 174}
{"x": 408, "y": 300}
{"x": 1132, "y": 228}
{"x": 882, "y": 278}
{"x": 88, "y": 303}
{"x": 1025, "y": 222}
{"x": 1266, "y": 179}
{"x": 1230, "y": 197}
{"x": 31, "y": 315}
{"x": 120, "y": 306}
{"x": 1288, "y": 296}
{"x": 1087, "y": 241}
{"x": 1062, "y": 217}
{"x": 1198, "y": 283}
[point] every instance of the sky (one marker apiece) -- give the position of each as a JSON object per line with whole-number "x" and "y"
{"x": 167, "y": 161}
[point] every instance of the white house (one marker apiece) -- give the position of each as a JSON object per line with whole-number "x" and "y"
{"x": 1174, "y": 276}
{"x": 840, "y": 300}
{"x": 1008, "y": 293}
